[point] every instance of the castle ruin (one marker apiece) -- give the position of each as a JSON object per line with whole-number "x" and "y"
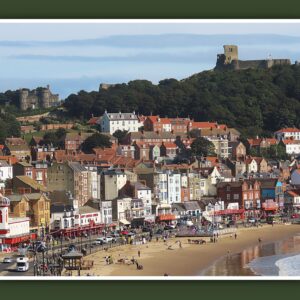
{"x": 38, "y": 98}
{"x": 229, "y": 60}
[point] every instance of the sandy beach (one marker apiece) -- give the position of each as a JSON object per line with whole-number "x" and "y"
{"x": 189, "y": 260}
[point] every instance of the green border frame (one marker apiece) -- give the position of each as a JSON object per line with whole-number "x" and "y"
{"x": 168, "y": 9}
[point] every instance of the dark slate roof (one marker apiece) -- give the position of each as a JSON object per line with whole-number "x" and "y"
{"x": 15, "y": 197}
{"x": 268, "y": 183}
{"x": 191, "y": 205}
{"x": 87, "y": 209}
{"x": 140, "y": 186}
{"x": 122, "y": 116}
{"x": 77, "y": 167}
{"x": 59, "y": 197}
{"x": 60, "y": 208}
{"x": 231, "y": 184}
{"x": 113, "y": 172}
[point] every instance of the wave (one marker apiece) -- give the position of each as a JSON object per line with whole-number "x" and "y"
{"x": 289, "y": 266}
{"x": 276, "y": 265}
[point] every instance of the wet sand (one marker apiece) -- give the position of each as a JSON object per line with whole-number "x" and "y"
{"x": 190, "y": 260}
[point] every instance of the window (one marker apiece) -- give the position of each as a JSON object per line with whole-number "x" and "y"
{"x": 228, "y": 196}
{"x": 236, "y": 196}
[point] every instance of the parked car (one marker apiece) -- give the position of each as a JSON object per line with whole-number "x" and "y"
{"x": 7, "y": 260}
{"x": 159, "y": 231}
{"x": 22, "y": 264}
{"x": 105, "y": 240}
{"x": 169, "y": 227}
{"x": 124, "y": 232}
{"x": 295, "y": 216}
{"x": 251, "y": 220}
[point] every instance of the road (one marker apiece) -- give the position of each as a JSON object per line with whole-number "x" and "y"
{"x": 9, "y": 269}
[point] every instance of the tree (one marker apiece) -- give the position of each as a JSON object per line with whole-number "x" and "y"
{"x": 94, "y": 141}
{"x": 9, "y": 127}
{"x": 120, "y": 135}
{"x": 194, "y": 133}
{"x": 55, "y": 138}
{"x": 202, "y": 147}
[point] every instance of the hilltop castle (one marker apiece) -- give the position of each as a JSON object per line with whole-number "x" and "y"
{"x": 38, "y": 98}
{"x": 230, "y": 60}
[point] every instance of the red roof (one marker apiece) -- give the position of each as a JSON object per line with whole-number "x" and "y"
{"x": 9, "y": 159}
{"x": 290, "y": 129}
{"x": 170, "y": 145}
{"x": 157, "y": 119}
{"x": 202, "y": 125}
{"x": 93, "y": 120}
{"x": 254, "y": 142}
{"x": 290, "y": 141}
{"x": 294, "y": 193}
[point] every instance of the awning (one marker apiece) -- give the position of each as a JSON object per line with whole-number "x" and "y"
{"x": 124, "y": 221}
{"x": 167, "y": 217}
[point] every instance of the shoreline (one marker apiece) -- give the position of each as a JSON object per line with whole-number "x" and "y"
{"x": 190, "y": 260}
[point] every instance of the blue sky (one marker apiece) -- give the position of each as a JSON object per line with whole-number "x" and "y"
{"x": 75, "y": 56}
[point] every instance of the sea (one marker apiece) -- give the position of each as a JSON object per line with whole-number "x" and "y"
{"x": 280, "y": 258}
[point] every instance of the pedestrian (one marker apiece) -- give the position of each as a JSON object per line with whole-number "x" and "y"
{"x": 259, "y": 240}
{"x": 139, "y": 253}
{"x": 157, "y": 238}
{"x": 235, "y": 236}
{"x": 180, "y": 245}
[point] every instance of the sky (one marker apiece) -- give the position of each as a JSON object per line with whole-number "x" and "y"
{"x": 78, "y": 56}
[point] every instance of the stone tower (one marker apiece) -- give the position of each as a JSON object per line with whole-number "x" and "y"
{"x": 24, "y": 93}
{"x": 231, "y": 53}
{"x": 45, "y": 97}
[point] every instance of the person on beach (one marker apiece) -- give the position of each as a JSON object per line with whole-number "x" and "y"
{"x": 235, "y": 236}
{"x": 180, "y": 245}
{"x": 157, "y": 238}
{"x": 139, "y": 253}
{"x": 259, "y": 240}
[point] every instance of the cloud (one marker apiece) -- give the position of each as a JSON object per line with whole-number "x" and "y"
{"x": 148, "y": 57}
{"x": 162, "y": 41}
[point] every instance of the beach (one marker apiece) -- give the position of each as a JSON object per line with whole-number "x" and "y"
{"x": 190, "y": 259}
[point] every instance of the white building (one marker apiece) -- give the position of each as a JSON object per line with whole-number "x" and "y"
{"x": 144, "y": 193}
{"x": 65, "y": 217}
{"x": 174, "y": 188}
{"x": 12, "y": 230}
{"x": 6, "y": 171}
{"x": 62, "y": 217}
{"x": 87, "y": 216}
{"x": 292, "y": 146}
{"x": 221, "y": 146}
{"x": 122, "y": 210}
{"x": 94, "y": 179}
{"x": 161, "y": 188}
{"x": 106, "y": 212}
{"x": 287, "y": 133}
{"x": 112, "y": 122}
